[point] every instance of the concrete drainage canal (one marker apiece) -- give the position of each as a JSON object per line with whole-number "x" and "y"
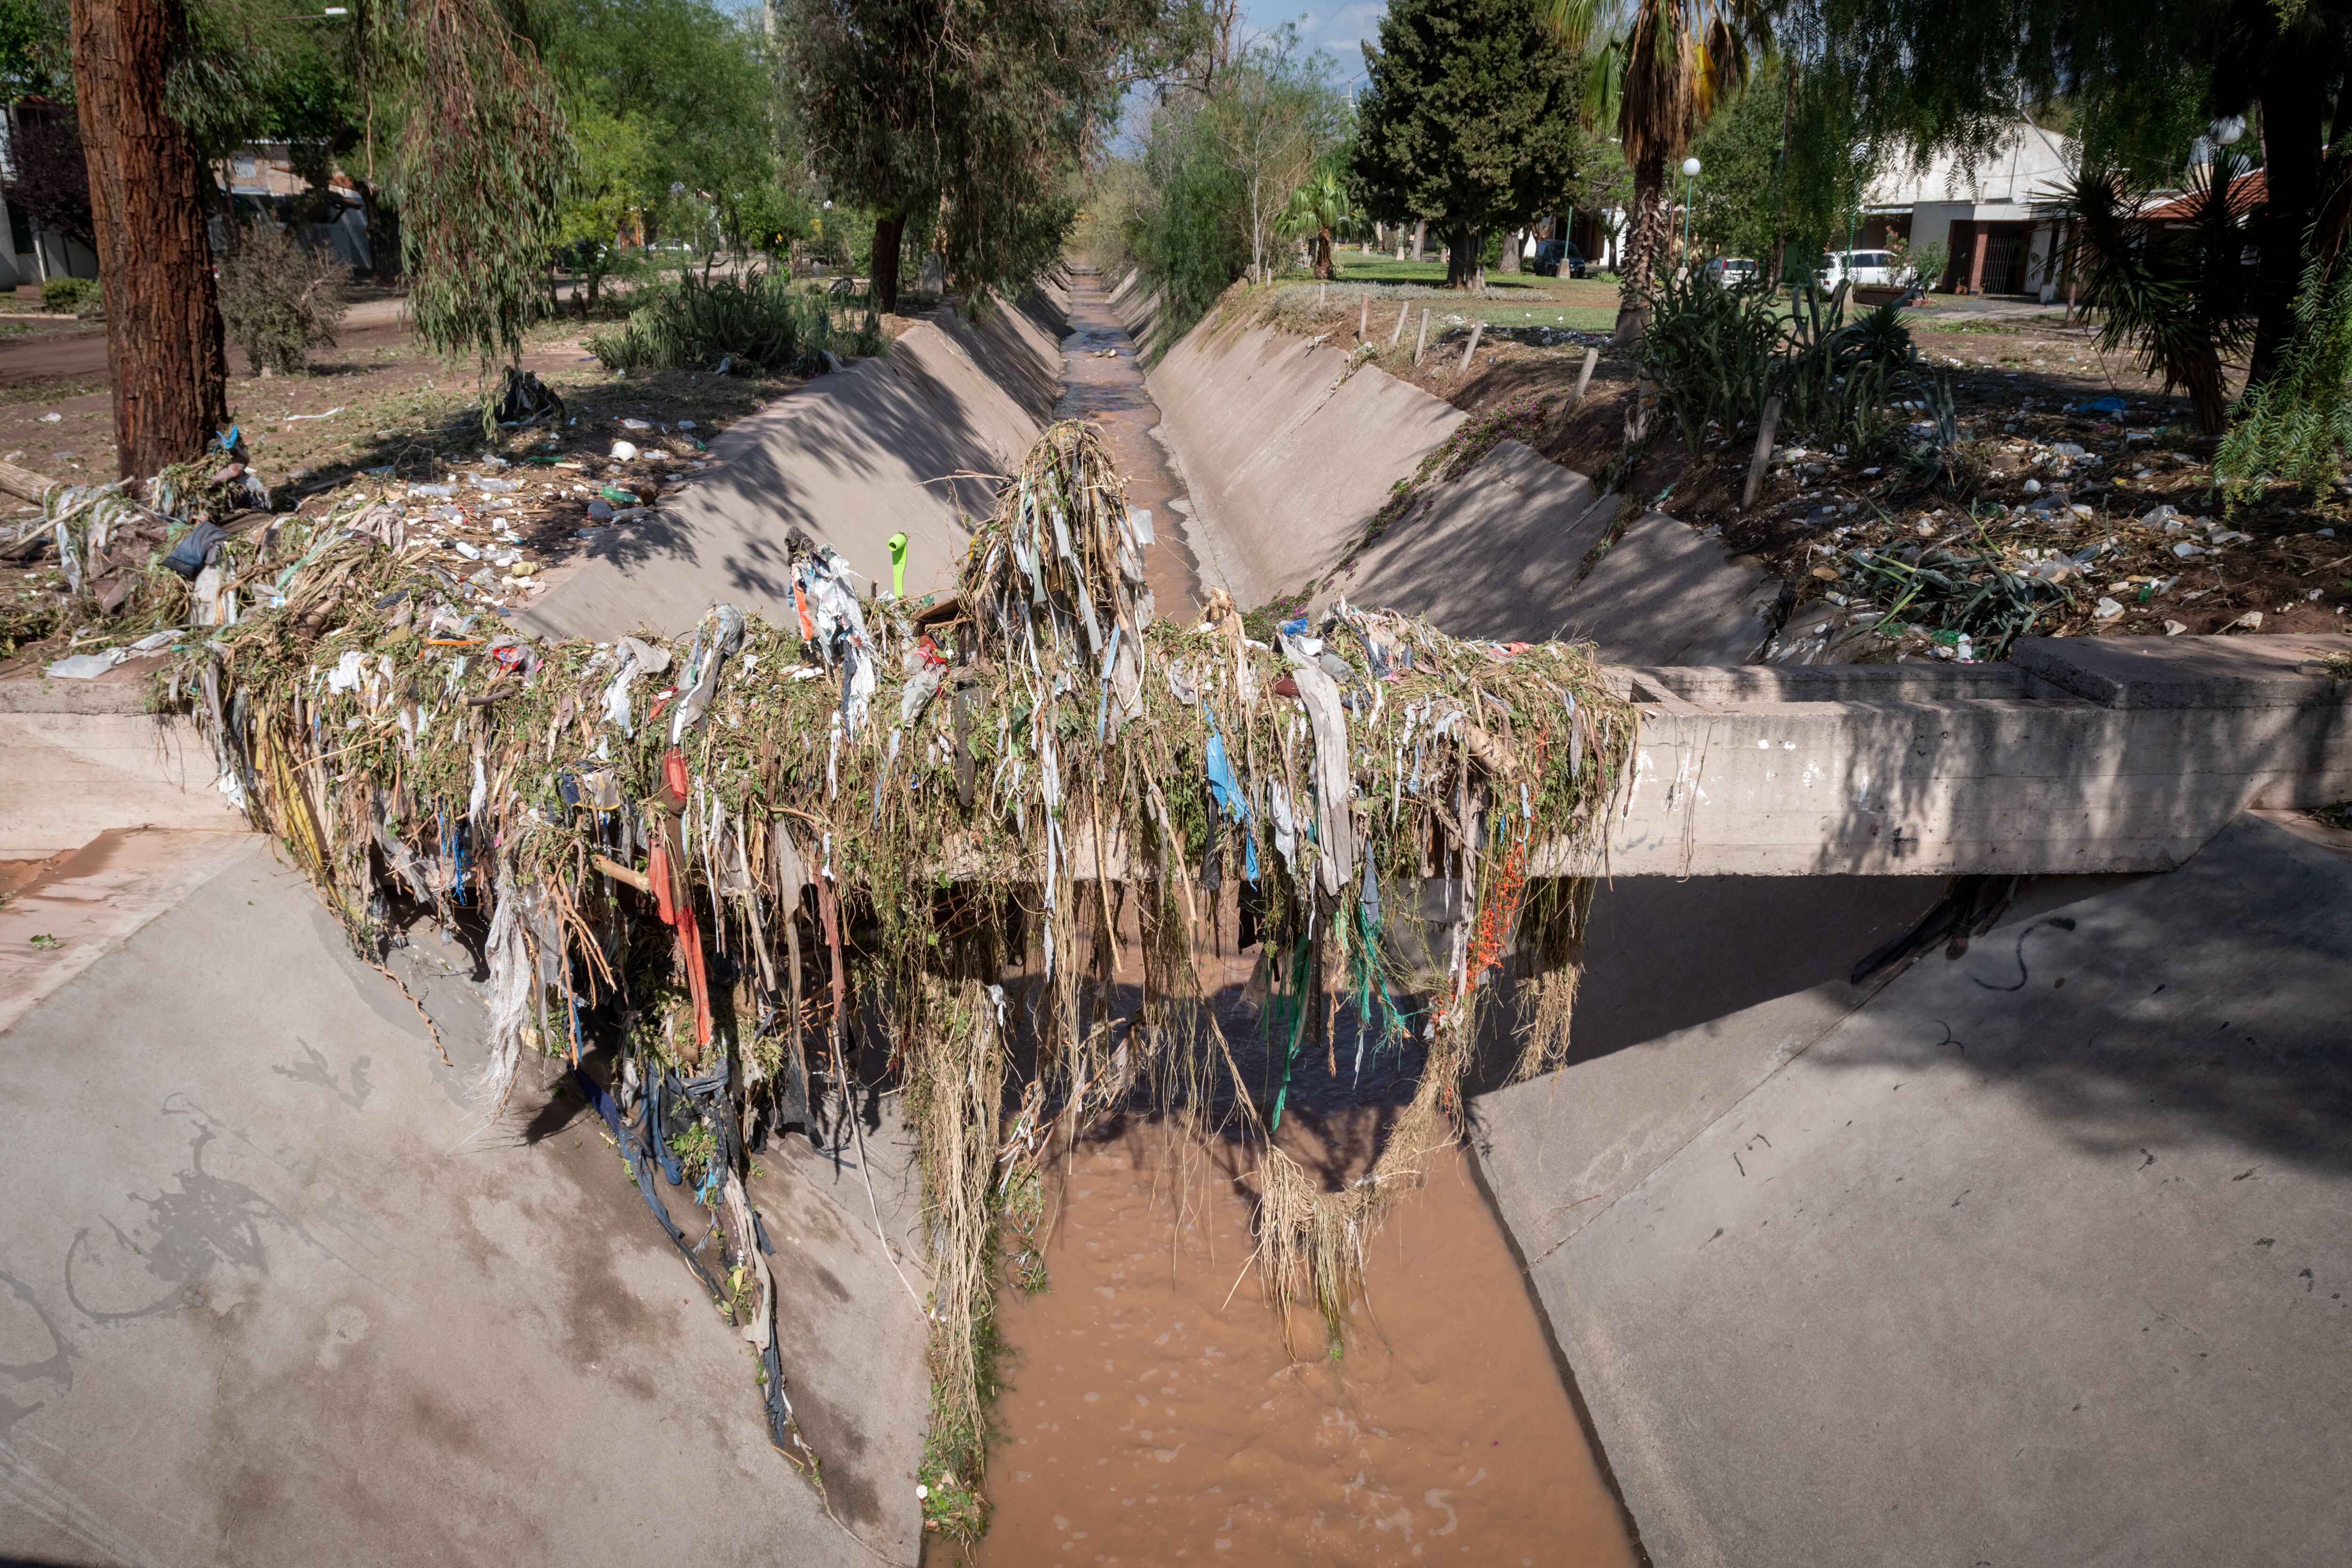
{"x": 1303, "y": 1085}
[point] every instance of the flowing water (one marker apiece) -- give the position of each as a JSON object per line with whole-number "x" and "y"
{"x": 1154, "y": 1409}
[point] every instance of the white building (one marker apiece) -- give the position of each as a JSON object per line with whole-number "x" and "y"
{"x": 1986, "y": 215}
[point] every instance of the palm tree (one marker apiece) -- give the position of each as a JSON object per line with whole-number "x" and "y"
{"x": 1658, "y": 67}
{"x": 1318, "y": 210}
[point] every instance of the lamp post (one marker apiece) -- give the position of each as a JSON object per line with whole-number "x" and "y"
{"x": 1690, "y": 174}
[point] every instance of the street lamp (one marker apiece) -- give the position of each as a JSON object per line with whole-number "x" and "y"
{"x": 1690, "y": 173}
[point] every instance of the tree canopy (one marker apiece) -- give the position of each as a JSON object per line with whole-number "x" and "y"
{"x": 1469, "y": 120}
{"x": 970, "y": 120}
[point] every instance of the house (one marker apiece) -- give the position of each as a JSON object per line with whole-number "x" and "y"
{"x": 29, "y": 254}
{"x": 1987, "y": 214}
{"x": 262, "y": 181}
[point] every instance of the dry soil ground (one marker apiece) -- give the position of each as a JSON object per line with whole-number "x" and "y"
{"x": 379, "y": 413}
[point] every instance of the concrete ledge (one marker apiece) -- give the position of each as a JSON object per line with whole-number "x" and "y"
{"x": 1916, "y": 769}
{"x": 2185, "y": 672}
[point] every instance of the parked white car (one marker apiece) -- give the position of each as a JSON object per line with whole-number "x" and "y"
{"x": 1730, "y": 271}
{"x": 1860, "y": 268}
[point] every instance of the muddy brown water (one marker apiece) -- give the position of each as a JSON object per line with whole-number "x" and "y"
{"x": 1153, "y": 1413}
{"x": 1154, "y": 1409}
{"x": 1103, "y": 382}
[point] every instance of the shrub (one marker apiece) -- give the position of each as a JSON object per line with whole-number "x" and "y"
{"x": 692, "y": 325}
{"x": 2296, "y": 428}
{"x": 75, "y": 294}
{"x": 279, "y": 299}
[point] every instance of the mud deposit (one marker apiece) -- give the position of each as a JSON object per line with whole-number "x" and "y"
{"x": 1152, "y": 1414}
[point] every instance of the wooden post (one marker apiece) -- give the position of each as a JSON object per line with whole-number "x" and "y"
{"x": 1584, "y": 376}
{"x": 1763, "y": 453}
{"x": 1983, "y": 238}
{"x": 23, "y": 483}
{"x": 1396, "y": 336}
{"x": 1476, "y": 331}
{"x": 1364, "y": 319}
{"x": 1421, "y": 339}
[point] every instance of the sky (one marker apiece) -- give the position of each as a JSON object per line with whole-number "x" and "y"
{"x": 1335, "y": 27}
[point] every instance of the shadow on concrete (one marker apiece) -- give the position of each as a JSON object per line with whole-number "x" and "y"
{"x": 2205, "y": 1004}
{"x": 903, "y": 443}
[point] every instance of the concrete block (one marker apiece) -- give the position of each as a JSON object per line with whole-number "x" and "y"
{"x": 2041, "y": 1255}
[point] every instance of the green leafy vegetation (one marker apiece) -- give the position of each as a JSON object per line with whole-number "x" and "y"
{"x": 763, "y": 319}
{"x": 2296, "y": 428}
{"x": 1469, "y": 120}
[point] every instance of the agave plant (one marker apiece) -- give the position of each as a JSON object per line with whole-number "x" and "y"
{"x": 2172, "y": 290}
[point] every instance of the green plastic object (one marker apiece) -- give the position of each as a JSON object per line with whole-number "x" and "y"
{"x": 617, "y": 496}
{"x": 898, "y": 565}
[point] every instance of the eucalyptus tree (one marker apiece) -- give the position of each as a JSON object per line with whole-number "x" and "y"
{"x": 2146, "y": 82}
{"x": 967, "y": 118}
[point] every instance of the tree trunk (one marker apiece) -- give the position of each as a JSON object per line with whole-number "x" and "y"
{"x": 382, "y": 232}
{"x": 163, "y": 342}
{"x": 2292, "y": 101}
{"x": 1646, "y": 230}
{"x": 1462, "y": 257}
{"x": 889, "y": 231}
{"x": 1420, "y": 238}
{"x": 1510, "y": 262}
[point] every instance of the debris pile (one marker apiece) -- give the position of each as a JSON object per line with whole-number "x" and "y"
{"x": 496, "y": 524}
{"x": 1009, "y": 820}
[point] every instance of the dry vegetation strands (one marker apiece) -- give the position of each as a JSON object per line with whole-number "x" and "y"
{"x": 1003, "y": 822}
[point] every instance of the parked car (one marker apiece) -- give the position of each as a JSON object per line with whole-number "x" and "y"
{"x": 1857, "y": 267}
{"x": 1731, "y": 271}
{"x": 1556, "y": 258}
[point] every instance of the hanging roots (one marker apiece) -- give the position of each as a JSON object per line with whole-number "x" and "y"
{"x": 1005, "y": 819}
{"x": 1552, "y": 931}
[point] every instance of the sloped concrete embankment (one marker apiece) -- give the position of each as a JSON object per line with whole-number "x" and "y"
{"x": 2040, "y": 1253}
{"x": 1290, "y": 447}
{"x": 902, "y": 443}
{"x": 272, "y": 1277}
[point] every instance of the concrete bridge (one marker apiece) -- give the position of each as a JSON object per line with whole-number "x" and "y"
{"x": 2078, "y": 756}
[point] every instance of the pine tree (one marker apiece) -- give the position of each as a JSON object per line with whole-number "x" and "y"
{"x": 1468, "y": 121}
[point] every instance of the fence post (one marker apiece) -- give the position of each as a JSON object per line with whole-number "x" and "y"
{"x": 1763, "y": 454}
{"x": 1476, "y": 331}
{"x": 1421, "y": 340}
